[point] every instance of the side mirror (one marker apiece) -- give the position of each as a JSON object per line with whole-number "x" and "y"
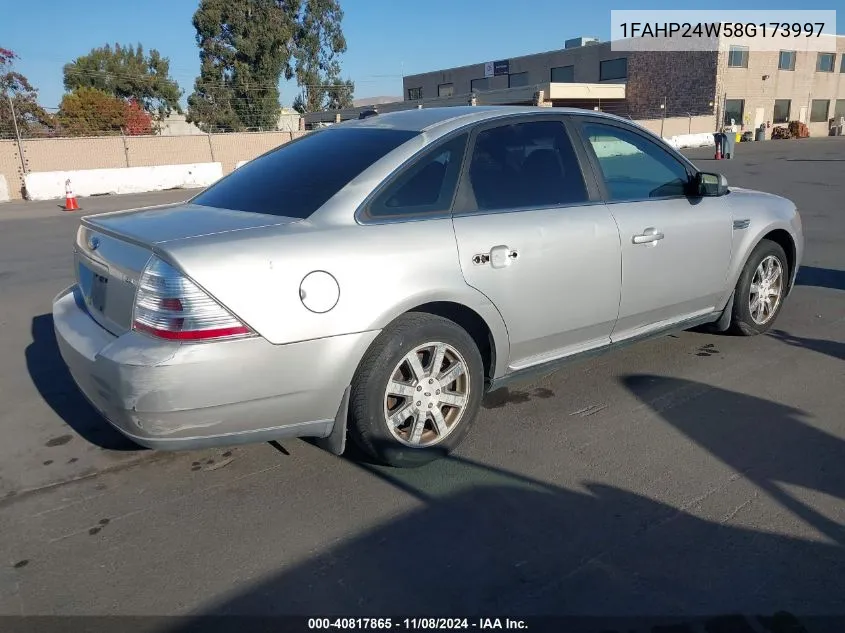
{"x": 709, "y": 184}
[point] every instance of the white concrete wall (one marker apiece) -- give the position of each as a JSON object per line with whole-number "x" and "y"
{"x": 691, "y": 140}
{"x": 4, "y": 189}
{"x": 48, "y": 185}
{"x": 606, "y": 147}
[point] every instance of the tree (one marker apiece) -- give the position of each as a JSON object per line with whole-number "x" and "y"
{"x": 299, "y": 103}
{"x": 30, "y": 117}
{"x": 339, "y": 95}
{"x": 127, "y": 73}
{"x": 89, "y": 111}
{"x": 137, "y": 121}
{"x": 246, "y": 46}
{"x": 319, "y": 42}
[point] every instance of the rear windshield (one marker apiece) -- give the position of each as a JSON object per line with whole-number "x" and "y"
{"x": 297, "y": 178}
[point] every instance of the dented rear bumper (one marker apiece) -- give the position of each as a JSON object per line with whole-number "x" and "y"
{"x": 172, "y": 396}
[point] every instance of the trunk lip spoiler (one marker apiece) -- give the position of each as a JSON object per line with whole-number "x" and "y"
{"x": 91, "y": 222}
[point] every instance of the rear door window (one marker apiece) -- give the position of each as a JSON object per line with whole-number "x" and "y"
{"x": 298, "y": 178}
{"x": 524, "y": 165}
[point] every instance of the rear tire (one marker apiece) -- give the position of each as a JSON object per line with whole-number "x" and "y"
{"x": 760, "y": 290}
{"x": 395, "y": 400}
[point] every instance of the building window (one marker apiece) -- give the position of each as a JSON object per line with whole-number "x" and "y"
{"x": 825, "y": 62}
{"x": 613, "y": 69}
{"x": 818, "y": 110}
{"x": 734, "y": 109}
{"x": 563, "y": 74}
{"x": 786, "y": 61}
{"x": 517, "y": 80}
{"x": 842, "y": 64}
{"x": 839, "y": 109}
{"x": 414, "y": 94}
{"x": 738, "y": 57}
{"x": 781, "y": 114}
{"x": 445, "y": 90}
{"x": 479, "y": 85}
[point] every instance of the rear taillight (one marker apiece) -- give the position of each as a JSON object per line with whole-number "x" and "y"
{"x": 168, "y": 305}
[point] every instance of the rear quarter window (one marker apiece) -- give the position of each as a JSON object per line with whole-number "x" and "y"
{"x": 298, "y": 178}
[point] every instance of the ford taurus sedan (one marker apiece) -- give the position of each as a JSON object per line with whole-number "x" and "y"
{"x": 374, "y": 279}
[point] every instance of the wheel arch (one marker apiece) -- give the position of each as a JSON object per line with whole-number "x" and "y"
{"x": 475, "y": 326}
{"x": 783, "y": 239}
{"x": 471, "y": 311}
{"x": 775, "y": 232}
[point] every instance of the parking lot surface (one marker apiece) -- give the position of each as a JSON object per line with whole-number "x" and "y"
{"x": 692, "y": 475}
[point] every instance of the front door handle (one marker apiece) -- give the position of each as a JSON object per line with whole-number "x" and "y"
{"x": 649, "y": 236}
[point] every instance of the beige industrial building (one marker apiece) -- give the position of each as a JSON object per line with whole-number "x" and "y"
{"x": 750, "y": 87}
{"x": 707, "y": 88}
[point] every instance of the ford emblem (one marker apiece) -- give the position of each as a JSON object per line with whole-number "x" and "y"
{"x": 93, "y": 242}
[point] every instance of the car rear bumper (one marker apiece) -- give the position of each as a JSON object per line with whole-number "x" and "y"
{"x": 172, "y": 396}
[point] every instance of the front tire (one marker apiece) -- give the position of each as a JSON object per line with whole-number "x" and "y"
{"x": 760, "y": 290}
{"x": 417, "y": 391}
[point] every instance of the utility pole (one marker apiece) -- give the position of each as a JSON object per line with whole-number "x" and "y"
{"x": 17, "y": 132}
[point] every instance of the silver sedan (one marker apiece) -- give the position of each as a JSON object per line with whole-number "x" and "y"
{"x": 374, "y": 279}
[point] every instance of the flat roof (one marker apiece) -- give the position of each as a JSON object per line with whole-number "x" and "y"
{"x": 514, "y": 58}
{"x": 502, "y": 97}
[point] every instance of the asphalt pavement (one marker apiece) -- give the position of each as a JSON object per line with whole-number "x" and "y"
{"x": 694, "y": 475}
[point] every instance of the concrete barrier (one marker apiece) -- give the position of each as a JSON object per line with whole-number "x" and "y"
{"x": 48, "y": 185}
{"x": 605, "y": 147}
{"x": 4, "y": 189}
{"x": 691, "y": 140}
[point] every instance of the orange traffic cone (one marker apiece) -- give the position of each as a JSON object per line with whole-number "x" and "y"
{"x": 70, "y": 200}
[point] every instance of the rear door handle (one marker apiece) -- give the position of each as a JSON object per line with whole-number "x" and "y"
{"x": 649, "y": 236}
{"x": 501, "y": 256}
{"x": 498, "y": 257}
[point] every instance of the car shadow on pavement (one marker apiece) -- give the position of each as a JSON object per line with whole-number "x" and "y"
{"x": 770, "y": 444}
{"x": 821, "y": 277}
{"x": 835, "y": 349}
{"x": 52, "y": 379}
{"x": 487, "y": 542}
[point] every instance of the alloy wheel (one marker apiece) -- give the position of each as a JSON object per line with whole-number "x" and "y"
{"x": 766, "y": 290}
{"x": 427, "y": 395}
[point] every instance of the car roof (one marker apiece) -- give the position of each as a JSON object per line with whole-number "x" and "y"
{"x": 438, "y": 119}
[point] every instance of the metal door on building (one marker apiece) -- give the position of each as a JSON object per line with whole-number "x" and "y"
{"x": 759, "y": 117}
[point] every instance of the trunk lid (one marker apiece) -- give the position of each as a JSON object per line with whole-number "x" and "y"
{"x": 156, "y": 225}
{"x": 112, "y": 249}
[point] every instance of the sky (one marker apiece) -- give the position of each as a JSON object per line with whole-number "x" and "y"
{"x": 385, "y": 38}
